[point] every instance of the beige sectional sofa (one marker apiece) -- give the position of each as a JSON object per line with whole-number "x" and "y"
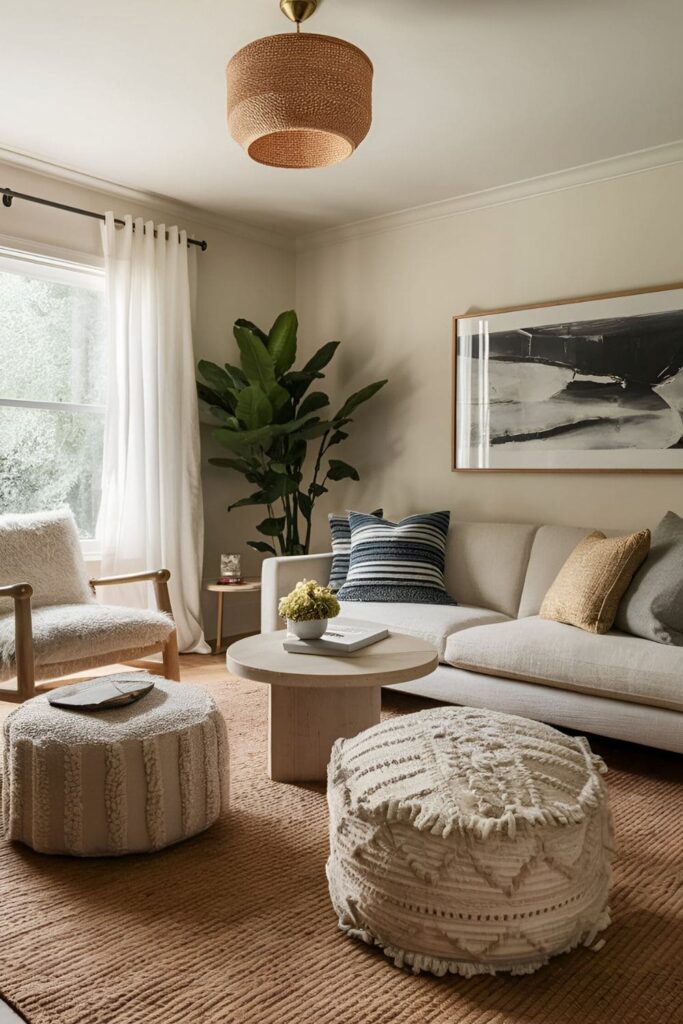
{"x": 496, "y": 652}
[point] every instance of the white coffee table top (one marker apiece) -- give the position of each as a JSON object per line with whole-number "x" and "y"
{"x": 397, "y": 659}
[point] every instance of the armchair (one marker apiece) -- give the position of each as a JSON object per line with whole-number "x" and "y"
{"x": 52, "y": 626}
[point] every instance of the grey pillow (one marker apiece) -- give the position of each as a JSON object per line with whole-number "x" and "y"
{"x": 652, "y": 607}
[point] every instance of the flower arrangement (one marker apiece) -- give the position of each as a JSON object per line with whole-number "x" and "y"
{"x": 309, "y": 601}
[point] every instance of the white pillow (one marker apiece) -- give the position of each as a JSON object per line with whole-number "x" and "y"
{"x": 42, "y": 549}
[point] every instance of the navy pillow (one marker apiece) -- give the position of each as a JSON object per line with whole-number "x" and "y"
{"x": 399, "y": 562}
{"x": 340, "y": 532}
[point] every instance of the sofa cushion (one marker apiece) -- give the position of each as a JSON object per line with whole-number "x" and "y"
{"x": 73, "y": 632}
{"x": 652, "y": 607}
{"x": 430, "y": 622}
{"x": 486, "y": 564}
{"x": 401, "y": 561}
{"x": 551, "y": 548}
{"x": 550, "y": 653}
{"x": 42, "y": 549}
{"x": 340, "y": 536}
{"x": 591, "y": 583}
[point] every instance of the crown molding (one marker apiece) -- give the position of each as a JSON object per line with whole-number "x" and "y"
{"x": 559, "y": 181}
{"x": 160, "y": 203}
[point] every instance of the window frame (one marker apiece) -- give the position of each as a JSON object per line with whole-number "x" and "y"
{"x": 65, "y": 266}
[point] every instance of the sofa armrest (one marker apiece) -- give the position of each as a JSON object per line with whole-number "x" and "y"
{"x": 280, "y": 575}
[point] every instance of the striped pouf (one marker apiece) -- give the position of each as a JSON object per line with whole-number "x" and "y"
{"x": 126, "y": 780}
{"x": 468, "y": 842}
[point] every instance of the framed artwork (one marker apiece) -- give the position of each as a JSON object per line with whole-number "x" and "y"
{"x": 591, "y": 384}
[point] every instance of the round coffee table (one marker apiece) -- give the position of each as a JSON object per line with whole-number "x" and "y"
{"x": 315, "y": 699}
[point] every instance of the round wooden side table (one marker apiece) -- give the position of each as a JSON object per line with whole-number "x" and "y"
{"x": 221, "y": 589}
{"x": 316, "y": 698}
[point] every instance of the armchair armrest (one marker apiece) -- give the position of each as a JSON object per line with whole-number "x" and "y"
{"x": 159, "y": 577}
{"x": 21, "y": 594}
{"x": 280, "y": 575}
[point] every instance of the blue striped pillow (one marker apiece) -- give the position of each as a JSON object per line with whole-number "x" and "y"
{"x": 400, "y": 562}
{"x": 340, "y": 533}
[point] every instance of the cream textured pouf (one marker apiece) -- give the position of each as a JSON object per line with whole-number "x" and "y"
{"x": 468, "y": 841}
{"x": 126, "y": 780}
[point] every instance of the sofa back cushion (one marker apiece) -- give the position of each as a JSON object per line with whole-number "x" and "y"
{"x": 486, "y": 564}
{"x": 551, "y": 548}
{"x": 42, "y": 549}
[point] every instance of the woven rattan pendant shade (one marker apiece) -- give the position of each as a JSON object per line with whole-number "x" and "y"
{"x": 299, "y": 100}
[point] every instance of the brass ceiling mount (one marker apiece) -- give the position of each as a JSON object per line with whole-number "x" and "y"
{"x": 298, "y": 10}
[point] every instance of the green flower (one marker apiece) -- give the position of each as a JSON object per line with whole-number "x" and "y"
{"x": 309, "y": 601}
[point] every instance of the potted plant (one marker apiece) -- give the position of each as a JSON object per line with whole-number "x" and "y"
{"x": 268, "y": 417}
{"x": 307, "y": 609}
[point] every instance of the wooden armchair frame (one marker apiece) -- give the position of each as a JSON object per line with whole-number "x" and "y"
{"x": 21, "y": 594}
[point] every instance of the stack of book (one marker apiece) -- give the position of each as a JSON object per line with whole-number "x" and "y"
{"x": 341, "y": 639}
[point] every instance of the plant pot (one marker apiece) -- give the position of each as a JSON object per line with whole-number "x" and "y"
{"x": 312, "y": 629}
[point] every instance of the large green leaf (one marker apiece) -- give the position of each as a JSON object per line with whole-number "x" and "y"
{"x": 253, "y": 328}
{"x": 272, "y": 527}
{"x": 297, "y": 382}
{"x": 240, "y": 441}
{"x": 257, "y": 498}
{"x": 285, "y": 485}
{"x": 311, "y": 403}
{"x": 282, "y": 341}
{"x": 278, "y": 396}
{"x": 342, "y": 471}
{"x": 357, "y": 399}
{"x": 321, "y": 357}
{"x": 221, "y": 399}
{"x": 238, "y": 379}
{"x": 253, "y": 407}
{"x": 260, "y": 545}
{"x": 305, "y": 504}
{"x": 257, "y": 364}
{"x": 215, "y": 375}
{"x": 314, "y": 429}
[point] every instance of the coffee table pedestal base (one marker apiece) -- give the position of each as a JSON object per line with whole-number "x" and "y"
{"x": 304, "y": 722}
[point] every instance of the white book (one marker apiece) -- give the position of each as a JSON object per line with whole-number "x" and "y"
{"x": 344, "y": 638}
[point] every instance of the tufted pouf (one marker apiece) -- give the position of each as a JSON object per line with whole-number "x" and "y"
{"x": 126, "y": 780}
{"x": 469, "y": 842}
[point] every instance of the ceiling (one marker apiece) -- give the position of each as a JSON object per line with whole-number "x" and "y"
{"x": 469, "y": 94}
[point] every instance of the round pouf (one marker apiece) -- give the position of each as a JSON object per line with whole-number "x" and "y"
{"x": 469, "y": 842}
{"x": 125, "y": 780}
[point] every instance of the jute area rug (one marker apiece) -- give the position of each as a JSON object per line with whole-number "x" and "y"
{"x": 235, "y": 926}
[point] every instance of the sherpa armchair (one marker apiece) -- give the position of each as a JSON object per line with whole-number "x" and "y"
{"x": 50, "y": 623}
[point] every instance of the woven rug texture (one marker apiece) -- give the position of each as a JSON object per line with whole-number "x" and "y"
{"x": 236, "y": 927}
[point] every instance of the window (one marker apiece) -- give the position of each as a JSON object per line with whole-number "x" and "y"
{"x": 52, "y": 387}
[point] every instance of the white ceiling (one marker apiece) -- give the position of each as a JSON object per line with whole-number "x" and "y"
{"x": 469, "y": 94}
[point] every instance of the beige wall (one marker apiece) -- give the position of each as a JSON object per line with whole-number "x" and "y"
{"x": 390, "y": 297}
{"x": 237, "y": 276}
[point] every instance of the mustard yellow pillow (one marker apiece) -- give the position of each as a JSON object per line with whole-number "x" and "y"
{"x": 591, "y": 583}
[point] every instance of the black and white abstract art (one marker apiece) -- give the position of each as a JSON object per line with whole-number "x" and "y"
{"x": 589, "y": 385}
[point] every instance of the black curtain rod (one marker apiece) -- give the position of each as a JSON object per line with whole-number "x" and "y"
{"x": 8, "y": 194}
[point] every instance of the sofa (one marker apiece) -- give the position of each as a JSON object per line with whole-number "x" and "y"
{"x": 496, "y": 652}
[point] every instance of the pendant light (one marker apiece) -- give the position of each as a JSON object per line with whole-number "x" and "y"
{"x": 299, "y": 99}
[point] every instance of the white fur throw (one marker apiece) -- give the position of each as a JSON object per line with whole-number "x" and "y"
{"x": 127, "y": 780}
{"x": 43, "y": 549}
{"x": 468, "y": 841}
{"x": 74, "y": 633}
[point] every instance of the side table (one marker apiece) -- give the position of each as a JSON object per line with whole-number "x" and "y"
{"x": 249, "y": 586}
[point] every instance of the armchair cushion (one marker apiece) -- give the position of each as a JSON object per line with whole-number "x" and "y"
{"x": 42, "y": 549}
{"x": 72, "y": 633}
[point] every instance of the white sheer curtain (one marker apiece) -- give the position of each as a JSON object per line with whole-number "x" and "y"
{"x": 151, "y": 513}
